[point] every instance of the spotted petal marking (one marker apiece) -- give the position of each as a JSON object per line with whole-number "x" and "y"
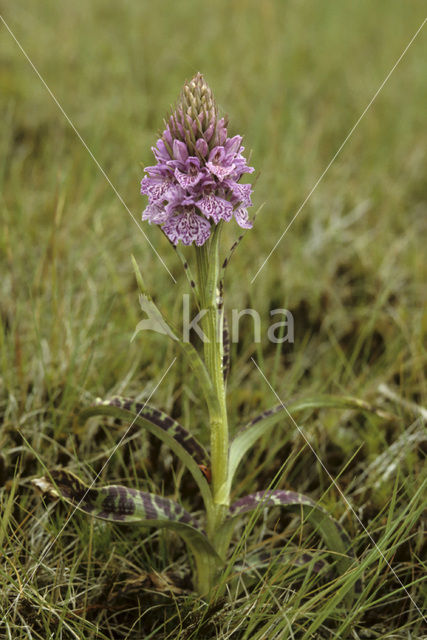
{"x": 215, "y": 207}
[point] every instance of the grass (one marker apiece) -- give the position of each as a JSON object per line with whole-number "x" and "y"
{"x": 294, "y": 77}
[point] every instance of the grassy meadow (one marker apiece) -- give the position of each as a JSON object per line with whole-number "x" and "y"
{"x": 294, "y": 77}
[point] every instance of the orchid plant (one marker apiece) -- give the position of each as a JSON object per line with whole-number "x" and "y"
{"x": 193, "y": 190}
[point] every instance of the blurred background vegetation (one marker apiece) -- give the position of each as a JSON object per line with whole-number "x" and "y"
{"x": 294, "y": 77}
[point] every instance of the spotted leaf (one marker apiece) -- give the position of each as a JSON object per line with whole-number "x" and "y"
{"x": 124, "y": 505}
{"x": 262, "y": 423}
{"x": 185, "y": 446}
{"x": 332, "y": 532}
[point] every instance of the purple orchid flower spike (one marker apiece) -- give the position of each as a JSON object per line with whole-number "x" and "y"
{"x": 195, "y": 183}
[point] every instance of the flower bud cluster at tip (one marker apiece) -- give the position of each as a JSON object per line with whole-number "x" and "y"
{"x": 195, "y": 183}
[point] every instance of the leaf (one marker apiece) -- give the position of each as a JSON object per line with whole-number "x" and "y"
{"x": 117, "y": 503}
{"x": 155, "y": 320}
{"x": 123, "y": 505}
{"x": 331, "y": 531}
{"x": 183, "y": 444}
{"x": 158, "y": 322}
{"x": 261, "y": 424}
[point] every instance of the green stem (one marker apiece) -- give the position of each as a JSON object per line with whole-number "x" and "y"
{"x": 207, "y": 571}
{"x": 208, "y": 276}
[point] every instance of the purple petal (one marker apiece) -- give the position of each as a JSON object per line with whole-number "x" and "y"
{"x": 160, "y": 151}
{"x": 217, "y": 155}
{"x": 187, "y": 227}
{"x": 221, "y": 131}
{"x": 216, "y": 208}
{"x": 232, "y": 145}
{"x": 160, "y": 170}
{"x": 180, "y": 151}
{"x": 242, "y": 218}
{"x": 241, "y": 192}
{"x": 241, "y": 167}
{"x": 219, "y": 171}
{"x": 155, "y": 214}
{"x": 209, "y": 132}
{"x": 192, "y": 185}
{"x": 167, "y": 137}
{"x": 155, "y": 188}
{"x": 187, "y": 180}
{"x": 202, "y": 147}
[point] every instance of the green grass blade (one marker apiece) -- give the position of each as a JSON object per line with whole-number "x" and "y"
{"x": 331, "y": 531}
{"x": 181, "y": 442}
{"x": 265, "y": 561}
{"x": 262, "y": 423}
{"x": 124, "y": 505}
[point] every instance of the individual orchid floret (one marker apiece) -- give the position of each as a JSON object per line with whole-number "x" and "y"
{"x": 195, "y": 183}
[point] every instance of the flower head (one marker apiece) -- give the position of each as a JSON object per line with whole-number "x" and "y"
{"x": 195, "y": 183}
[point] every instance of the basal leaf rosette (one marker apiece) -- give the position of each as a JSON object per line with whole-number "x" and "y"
{"x": 195, "y": 183}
